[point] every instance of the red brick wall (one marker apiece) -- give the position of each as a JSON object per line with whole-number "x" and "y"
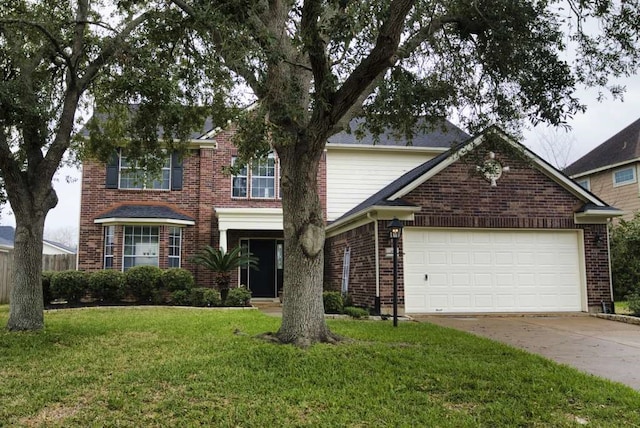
{"x": 205, "y": 186}
{"x": 362, "y": 271}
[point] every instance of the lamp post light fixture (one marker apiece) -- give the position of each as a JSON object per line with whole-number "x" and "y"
{"x": 395, "y": 231}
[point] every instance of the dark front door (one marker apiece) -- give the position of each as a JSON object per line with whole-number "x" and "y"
{"x": 262, "y": 283}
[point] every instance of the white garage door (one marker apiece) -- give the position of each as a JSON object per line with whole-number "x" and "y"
{"x": 491, "y": 271}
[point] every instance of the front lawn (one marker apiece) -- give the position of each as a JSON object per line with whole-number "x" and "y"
{"x": 188, "y": 367}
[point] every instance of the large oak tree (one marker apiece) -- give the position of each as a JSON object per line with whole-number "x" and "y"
{"x": 313, "y": 65}
{"x": 56, "y": 55}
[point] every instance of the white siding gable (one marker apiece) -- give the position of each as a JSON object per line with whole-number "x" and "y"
{"x": 354, "y": 174}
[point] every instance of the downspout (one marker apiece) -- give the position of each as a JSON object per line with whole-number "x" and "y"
{"x": 377, "y": 261}
{"x": 613, "y": 307}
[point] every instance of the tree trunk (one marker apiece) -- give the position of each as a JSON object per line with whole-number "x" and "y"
{"x": 303, "y": 320}
{"x": 26, "y": 308}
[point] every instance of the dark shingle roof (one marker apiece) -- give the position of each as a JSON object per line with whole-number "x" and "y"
{"x": 197, "y": 134}
{"x": 622, "y": 147}
{"x": 144, "y": 211}
{"x": 7, "y": 233}
{"x": 441, "y": 135}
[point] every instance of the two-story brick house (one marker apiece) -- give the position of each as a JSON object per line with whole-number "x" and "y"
{"x": 128, "y": 220}
{"x": 526, "y": 240}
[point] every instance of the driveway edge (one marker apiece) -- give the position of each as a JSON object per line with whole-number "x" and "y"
{"x": 620, "y": 318}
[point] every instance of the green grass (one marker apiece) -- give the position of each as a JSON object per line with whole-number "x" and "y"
{"x": 622, "y": 307}
{"x": 182, "y": 367}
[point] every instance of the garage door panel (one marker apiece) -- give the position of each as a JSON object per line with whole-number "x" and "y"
{"x": 492, "y": 271}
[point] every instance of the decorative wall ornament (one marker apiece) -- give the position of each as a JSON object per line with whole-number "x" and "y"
{"x": 492, "y": 169}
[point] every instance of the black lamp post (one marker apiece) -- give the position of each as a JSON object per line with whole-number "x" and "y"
{"x": 395, "y": 231}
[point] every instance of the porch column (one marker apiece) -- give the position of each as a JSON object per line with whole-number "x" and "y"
{"x": 223, "y": 239}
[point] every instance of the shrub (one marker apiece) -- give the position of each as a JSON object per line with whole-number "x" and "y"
{"x": 204, "y": 297}
{"x": 180, "y": 298}
{"x": 107, "y": 285}
{"x": 625, "y": 257}
{"x": 177, "y": 279}
{"x": 47, "y": 296}
{"x": 142, "y": 281}
{"x": 70, "y": 285}
{"x": 239, "y": 296}
{"x": 634, "y": 303}
{"x": 160, "y": 296}
{"x": 354, "y": 312}
{"x": 333, "y": 303}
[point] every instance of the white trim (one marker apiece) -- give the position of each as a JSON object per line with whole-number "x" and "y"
{"x": 372, "y": 213}
{"x": 143, "y": 220}
{"x": 604, "y": 168}
{"x": 249, "y": 218}
{"x": 383, "y": 148}
{"x": 596, "y": 216}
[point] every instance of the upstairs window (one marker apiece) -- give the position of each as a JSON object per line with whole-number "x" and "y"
{"x": 263, "y": 178}
{"x": 239, "y": 182}
{"x": 133, "y": 176}
{"x": 125, "y": 174}
{"x": 257, "y": 181}
{"x": 624, "y": 176}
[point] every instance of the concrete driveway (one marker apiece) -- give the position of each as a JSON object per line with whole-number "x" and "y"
{"x": 608, "y": 349}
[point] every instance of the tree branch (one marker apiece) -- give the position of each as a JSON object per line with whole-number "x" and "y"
{"x": 56, "y": 45}
{"x": 230, "y": 58}
{"x": 110, "y": 48}
{"x": 315, "y": 46}
{"x": 382, "y": 56}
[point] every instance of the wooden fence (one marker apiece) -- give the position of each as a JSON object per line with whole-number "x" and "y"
{"x": 55, "y": 262}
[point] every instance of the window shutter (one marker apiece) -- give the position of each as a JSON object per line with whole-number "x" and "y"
{"x": 176, "y": 172}
{"x": 112, "y": 171}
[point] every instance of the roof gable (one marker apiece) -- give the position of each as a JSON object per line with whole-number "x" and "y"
{"x": 623, "y": 147}
{"x": 401, "y": 187}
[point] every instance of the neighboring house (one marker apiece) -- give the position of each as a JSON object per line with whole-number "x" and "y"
{"x": 552, "y": 231}
{"x": 611, "y": 170}
{"x": 7, "y": 234}
{"x": 524, "y": 240}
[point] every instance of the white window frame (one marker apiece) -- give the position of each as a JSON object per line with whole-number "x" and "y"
{"x": 109, "y": 246}
{"x": 263, "y": 164}
{"x": 585, "y": 183}
{"x": 175, "y": 247}
{"x": 251, "y": 175}
{"x": 632, "y": 180}
{"x": 139, "y": 232}
{"x": 147, "y": 182}
{"x": 244, "y": 176}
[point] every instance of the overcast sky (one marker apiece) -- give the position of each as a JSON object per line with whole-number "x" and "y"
{"x": 601, "y": 121}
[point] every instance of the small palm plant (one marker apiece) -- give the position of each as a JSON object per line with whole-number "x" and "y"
{"x": 223, "y": 263}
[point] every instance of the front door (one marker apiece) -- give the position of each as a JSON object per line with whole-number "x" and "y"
{"x": 266, "y": 281}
